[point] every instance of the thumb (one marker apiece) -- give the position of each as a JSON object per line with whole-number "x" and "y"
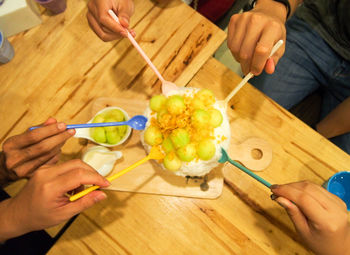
{"x": 270, "y": 66}
{"x": 85, "y": 202}
{"x": 295, "y": 214}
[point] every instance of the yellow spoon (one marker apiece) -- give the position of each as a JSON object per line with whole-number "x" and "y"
{"x": 155, "y": 153}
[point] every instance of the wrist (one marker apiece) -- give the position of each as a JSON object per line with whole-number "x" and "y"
{"x": 272, "y": 8}
{"x": 10, "y": 226}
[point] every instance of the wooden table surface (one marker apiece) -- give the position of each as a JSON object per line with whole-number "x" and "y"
{"x": 60, "y": 67}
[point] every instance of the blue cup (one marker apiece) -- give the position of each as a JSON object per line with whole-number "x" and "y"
{"x": 339, "y": 185}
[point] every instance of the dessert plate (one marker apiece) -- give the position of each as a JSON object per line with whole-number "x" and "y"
{"x": 150, "y": 178}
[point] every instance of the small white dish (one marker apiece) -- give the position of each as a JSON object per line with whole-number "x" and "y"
{"x": 101, "y": 159}
{"x": 85, "y": 132}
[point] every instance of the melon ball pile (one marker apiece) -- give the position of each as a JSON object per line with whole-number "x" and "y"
{"x": 109, "y": 135}
{"x": 189, "y": 127}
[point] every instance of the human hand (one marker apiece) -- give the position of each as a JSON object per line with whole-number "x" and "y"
{"x": 43, "y": 202}
{"x": 251, "y": 36}
{"x": 24, "y": 153}
{"x": 104, "y": 25}
{"x": 319, "y": 217}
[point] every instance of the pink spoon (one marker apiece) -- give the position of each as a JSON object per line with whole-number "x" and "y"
{"x": 167, "y": 86}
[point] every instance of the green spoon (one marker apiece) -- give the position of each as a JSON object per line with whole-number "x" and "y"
{"x": 225, "y": 157}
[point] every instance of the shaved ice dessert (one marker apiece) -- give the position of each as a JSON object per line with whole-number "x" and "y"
{"x": 190, "y": 127}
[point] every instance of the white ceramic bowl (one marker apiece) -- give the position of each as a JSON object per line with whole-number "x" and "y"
{"x": 85, "y": 132}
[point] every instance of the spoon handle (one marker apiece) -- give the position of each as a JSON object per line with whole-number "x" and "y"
{"x": 102, "y": 124}
{"x": 250, "y": 75}
{"x": 247, "y": 171}
{"x": 138, "y": 48}
{"x": 111, "y": 178}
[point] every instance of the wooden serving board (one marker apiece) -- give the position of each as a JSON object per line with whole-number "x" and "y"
{"x": 150, "y": 178}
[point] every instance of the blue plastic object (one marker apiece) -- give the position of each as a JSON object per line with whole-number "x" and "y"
{"x": 137, "y": 122}
{"x": 339, "y": 185}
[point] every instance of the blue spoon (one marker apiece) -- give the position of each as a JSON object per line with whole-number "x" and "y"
{"x": 225, "y": 157}
{"x": 137, "y": 122}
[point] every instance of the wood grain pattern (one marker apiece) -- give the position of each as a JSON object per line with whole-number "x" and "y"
{"x": 243, "y": 220}
{"x": 61, "y": 66}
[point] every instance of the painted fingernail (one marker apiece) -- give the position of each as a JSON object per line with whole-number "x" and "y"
{"x": 100, "y": 196}
{"x": 61, "y": 126}
{"x": 273, "y": 196}
{"x": 126, "y": 20}
{"x": 281, "y": 204}
{"x": 71, "y": 131}
{"x": 274, "y": 186}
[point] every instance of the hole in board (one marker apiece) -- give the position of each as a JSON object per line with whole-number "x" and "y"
{"x": 256, "y": 154}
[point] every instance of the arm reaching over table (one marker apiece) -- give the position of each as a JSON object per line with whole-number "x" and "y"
{"x": 103, "y": 24}
{"x": 319, "y": 217}
{"x": 23, "y": 154}
{"x": 252, "y": 34}
{"x": 337, "y": 122}
{"x": 43, "y": 202}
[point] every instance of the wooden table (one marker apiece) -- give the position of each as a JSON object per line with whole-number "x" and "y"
{"x": 61, "y": 67}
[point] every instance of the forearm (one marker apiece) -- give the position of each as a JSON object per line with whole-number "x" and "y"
{"x": 337, "y": 122}
{"x": 277, "y": 9}
{"x": 9, "y": 225}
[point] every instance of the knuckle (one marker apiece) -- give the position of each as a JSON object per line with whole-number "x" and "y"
{"x": 256, "y": 19}
{"x": 306, "y": 185}
{"x": 103, "y": 18}
{"x": 261, "y": 50}
{"x": 7, "y": 145}
{"x": 10, "y": 163}
{"x": 79, "y": 173}
{"x": 243, "y": 56}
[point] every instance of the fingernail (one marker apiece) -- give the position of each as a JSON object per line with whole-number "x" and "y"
{"x": 274, "y": 186}
{"x": 273, "y": 196}
{"x": 100, "y": 196}
{"x": 71, "y": 131}
{"x": 126, "y": 20}
{"x": 107, "y": 183}
{"x": 61, "y": 126}
{"x": 281, "y": 204}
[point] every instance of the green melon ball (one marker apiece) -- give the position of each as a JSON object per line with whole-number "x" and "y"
{"x": 175, "y": 105}
{"x": 179, "y": 137}
{"x": 197, "y": 104}
{"x": 115, "y": 114}
{"x": 113, "y": 137}
{"x": 172, "y": 162}
{"x": 200, "y": 118}
{"x": 98, "y": 134}
{"x": 167, "y": 145}
{"x": 122, "y": 130}
{"x": 157, "y": 103}
{"x": 206, "y": 149}
{"x": 153, "y": 136}
{"x": 98, "y": 119}
{"x": 215, "y": 117}
{"x": 187, "y": 153}
{"x": 206, "y": 96}
{"x": 111, "y": 128}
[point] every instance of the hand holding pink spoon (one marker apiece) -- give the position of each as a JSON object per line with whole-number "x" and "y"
{"x": 166, "y": 85}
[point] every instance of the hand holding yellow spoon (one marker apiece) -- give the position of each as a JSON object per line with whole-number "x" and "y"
{"x": 155, "y": 153}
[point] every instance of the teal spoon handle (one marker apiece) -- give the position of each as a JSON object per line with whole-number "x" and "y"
{"x": 247, "y": 171}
